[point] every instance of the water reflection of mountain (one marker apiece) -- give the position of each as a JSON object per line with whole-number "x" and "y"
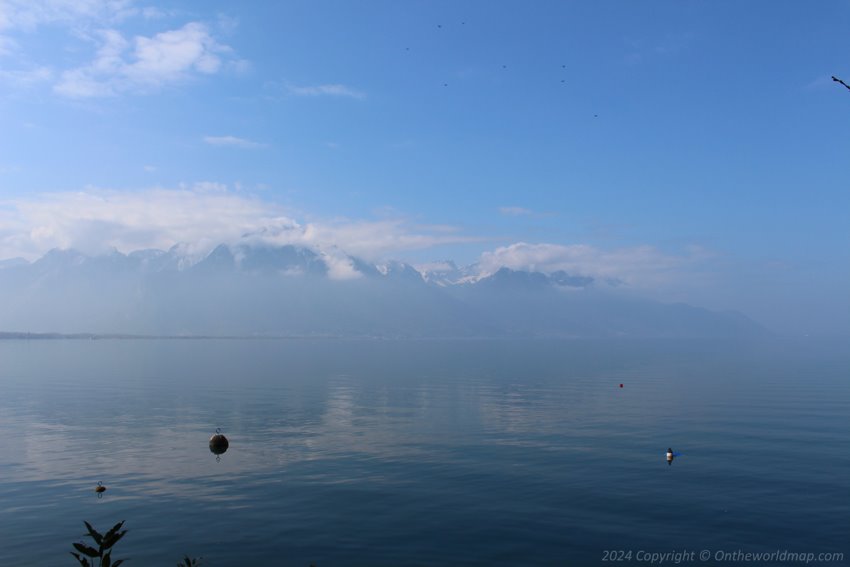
{"x": 142, "y": 412}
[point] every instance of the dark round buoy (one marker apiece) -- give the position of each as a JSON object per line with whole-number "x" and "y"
{"x": 621, "y": 385}
{"x": 99, "y": 488}
{"x": 218, "y": 443}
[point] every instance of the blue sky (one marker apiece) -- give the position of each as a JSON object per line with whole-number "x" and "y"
{"x": 696, "y": 150}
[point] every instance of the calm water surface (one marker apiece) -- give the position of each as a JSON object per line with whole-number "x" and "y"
{"x": 422, "y": 452}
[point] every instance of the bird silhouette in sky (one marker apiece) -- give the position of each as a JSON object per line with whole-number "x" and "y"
{"x": 837, "y": 80}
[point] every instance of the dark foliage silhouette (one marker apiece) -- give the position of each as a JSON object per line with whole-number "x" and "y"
{"x": 104, "y": 543}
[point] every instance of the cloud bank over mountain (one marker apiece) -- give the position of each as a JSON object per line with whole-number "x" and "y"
{"x": 255, "y": 288}
{"x": 199, "y": 217}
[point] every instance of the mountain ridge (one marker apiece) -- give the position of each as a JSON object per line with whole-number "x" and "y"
{"x": 262, "y": 289}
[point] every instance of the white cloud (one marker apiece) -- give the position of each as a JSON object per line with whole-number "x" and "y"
{"x": 340, "y": 266}
{"x": 168, "y": 55}
{"x": 28, "y": 14}
{"x": 97, "y": 220}
{"x": 523, "y": 212}
{"x": 167, "y": 58}
{"x": 202, "y": 215}
{"x": 199, "y": 217}
{"x": 206, "y": 187}
{"x": 232, "y": 141}
{"x": 375, "y": 240}
{"x": 140, "y": 64}
{"x": 638, "y": 266}
{"x": 26, "y": 78}
{"x": 100, "y": 78}
{"x": 327, "y": 90}
{"x": 515, "y": 211}
{"x": 439, "y": 267}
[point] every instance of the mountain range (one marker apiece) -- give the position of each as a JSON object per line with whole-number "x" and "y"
{"x": 257, "y": 289}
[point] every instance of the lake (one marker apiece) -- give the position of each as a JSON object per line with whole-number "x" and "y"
{"x": 403, "y": 453}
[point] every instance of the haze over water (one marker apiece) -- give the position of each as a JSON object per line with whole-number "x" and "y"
{"x": 427, "y": 452}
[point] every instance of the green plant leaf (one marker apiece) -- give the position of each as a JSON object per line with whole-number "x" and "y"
{"x": 98, "y": 539}
{"x": 86, "y": 550}
{"x": 106, "y": 561}
{"x": 118, "y": 562}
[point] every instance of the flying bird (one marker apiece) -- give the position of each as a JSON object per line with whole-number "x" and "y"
{"x": 837, "y": 80}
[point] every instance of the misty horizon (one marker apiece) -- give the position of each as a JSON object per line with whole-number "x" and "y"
{"x": 96, "y": 222}
{"x": 256, "y": 288}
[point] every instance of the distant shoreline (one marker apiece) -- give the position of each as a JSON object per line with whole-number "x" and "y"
{"x": 19, "y": 336}
{"x": 6, "y": 335}
{"x": 42, "y": 336}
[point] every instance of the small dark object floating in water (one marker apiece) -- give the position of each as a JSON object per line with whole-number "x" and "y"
{"x": 99, "y": 488}
{"x": 621, "y": 385}
{"x": 218, "y": 443}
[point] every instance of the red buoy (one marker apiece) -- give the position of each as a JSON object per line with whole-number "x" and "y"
{"x": 621, "y": 385}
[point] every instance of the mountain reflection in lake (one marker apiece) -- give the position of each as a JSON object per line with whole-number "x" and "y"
{"x": 421, "y": 452}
